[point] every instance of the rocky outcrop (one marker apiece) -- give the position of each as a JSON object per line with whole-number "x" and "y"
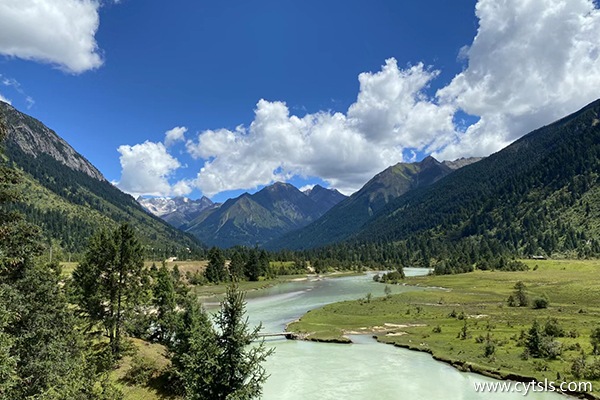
{"x": 34, "y": 138}
{"x": 461, "y": 162}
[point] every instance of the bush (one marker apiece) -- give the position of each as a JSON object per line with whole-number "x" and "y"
{"x": 489, "y": 349}
{"x": 141, "y": 371}
{"x": 551, "y": 349}
{"x": 394, "y": 277}
{"x": 553, "y": 329}
{"x": 519, "y": 297}
{"x": 541, "y": 302}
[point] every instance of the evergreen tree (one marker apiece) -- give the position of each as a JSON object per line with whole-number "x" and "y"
{"x": 215, "y": 271}
{"x": 535, "y": 339}
{"x": 519, "y": 297}
{"x": 252, "y": 267}
{"x": 236, "y": 266}
{"x": 193, "y": 354}
{"x": 241, "y": 373}
{"x": 222, "y": 362}
{"x": 109, "y": 282}
{"x": 165, "y": 302}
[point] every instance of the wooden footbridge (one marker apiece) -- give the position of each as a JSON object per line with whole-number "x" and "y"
{"x": 287, "y": 335}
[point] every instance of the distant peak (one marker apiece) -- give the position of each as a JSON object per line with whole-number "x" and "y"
{"x": 429, "y": 160}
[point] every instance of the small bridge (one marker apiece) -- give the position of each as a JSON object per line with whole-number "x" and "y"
{"x": 287, "y": 335}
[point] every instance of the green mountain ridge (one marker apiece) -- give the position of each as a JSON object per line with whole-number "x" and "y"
{"x": 70, "y": 199}
{"x": 348, "y": 216}
{"x": 538, "y": 196}
{"x": 258, "y": 218}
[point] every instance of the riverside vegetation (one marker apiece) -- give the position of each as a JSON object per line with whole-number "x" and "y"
{"x": 541, "y": 323}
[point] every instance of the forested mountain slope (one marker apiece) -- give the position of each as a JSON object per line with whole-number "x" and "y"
{"x": 538, "y": 196}
{"x": 348, "y": 216}
{"x": 69, "y": 198}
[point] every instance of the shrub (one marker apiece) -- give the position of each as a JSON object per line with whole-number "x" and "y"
{"x": 552, "y": 328}
{"x": 540, "y": 302}
{"x": 141, "y": 371}
{"x": 489, "y": 349}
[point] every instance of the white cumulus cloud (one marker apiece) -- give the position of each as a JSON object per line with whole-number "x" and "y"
{"x": 58, "y": 32}
{"x": 175, "y": 135}
{"x": 532, "y": 62}
{"x": 146, "y": 168}
{"x": 391, "y": 113}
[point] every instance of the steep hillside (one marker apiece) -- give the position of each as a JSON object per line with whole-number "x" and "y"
{"x": 538, "y": 196}
{"x": 255, "y": 219}
{"x": 347, "y": 217}
{"x": 69, "y": 198}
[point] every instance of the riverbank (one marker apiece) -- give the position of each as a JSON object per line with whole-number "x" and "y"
{"x": 215, "y": 291}
{"x": 434, "y": 319}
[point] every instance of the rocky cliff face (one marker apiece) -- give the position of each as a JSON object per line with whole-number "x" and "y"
{"x": 34, "y": 138}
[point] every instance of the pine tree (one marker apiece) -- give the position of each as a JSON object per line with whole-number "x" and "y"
{"x": 109, "y": 282}
{"x": 215, "y": 271}
{"x": 165, "y": 302}
{"x": 236, "y": 266}
{"x": 535, "y": 339}
{"x": 252, "y": 267}
{"x": 193, "y": 353}
{"x": 222, "y": 362}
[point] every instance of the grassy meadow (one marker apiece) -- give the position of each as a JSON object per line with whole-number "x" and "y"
{"x": 433, "y": 319}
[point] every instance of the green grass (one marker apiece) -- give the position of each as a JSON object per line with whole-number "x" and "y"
{"x": 149, "y": 351}
{"x": 408, "y": 319}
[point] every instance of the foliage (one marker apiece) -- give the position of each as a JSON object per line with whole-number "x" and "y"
{"x": 541, "y": 302}
{"x": 392, "y": 277}
{"x": 165, "y": 300}
{"x": 595, "y": 340}
{"x": 42, "y": 353}
{"x": 222, "y": 361}
{"x": 519, "y": 297}
{"x": 109, "y": 282}
{"x": 142, "y": 370}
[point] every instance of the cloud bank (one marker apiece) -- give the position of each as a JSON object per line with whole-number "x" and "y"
{"x": 531, "y": 62}
{"x": 57, "y": 32}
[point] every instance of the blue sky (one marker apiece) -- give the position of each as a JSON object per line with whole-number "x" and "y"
{"x": 269, "y": 90}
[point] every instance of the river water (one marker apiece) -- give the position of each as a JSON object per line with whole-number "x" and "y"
{"x": 366, "y": 369}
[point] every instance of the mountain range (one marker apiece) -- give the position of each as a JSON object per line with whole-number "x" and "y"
{"x": 349, "y": 215}
{"x": 68, "y": 198}
{"x": 254, "y": 219}
{"x": 537, "y": 196}
{"x": 275, "y": 215}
